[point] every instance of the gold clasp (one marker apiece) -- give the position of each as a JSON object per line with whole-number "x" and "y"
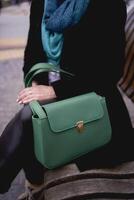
{"x": 80, "y": 126}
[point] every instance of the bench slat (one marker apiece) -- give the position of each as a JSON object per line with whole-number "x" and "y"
{"x": 91, "y": 188}
{"x": 71, "y": 173}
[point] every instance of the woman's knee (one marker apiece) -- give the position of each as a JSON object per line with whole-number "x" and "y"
{"x": 26, "y": 113}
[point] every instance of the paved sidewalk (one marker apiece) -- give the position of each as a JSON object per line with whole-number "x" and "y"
{"x": 13, "y": 37}
{"x": 14, "y": 24}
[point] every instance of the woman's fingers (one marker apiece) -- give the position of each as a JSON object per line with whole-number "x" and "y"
{"x": 28, "y": 99}
{"x": 29, "y": 94}
{"x": 37, "y": 92}
{"x": 24, "y": 93}
{"x": 34, "y": 83}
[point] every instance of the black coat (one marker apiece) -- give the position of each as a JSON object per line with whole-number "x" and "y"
{"x": 94, "y": 51}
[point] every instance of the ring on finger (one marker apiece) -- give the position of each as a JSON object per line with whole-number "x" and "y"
{"x": 30, "y": 92}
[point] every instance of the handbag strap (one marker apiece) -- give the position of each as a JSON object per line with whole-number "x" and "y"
{"x": 37, "y": 109}
{"x": 42, "y": 67}
{"x": 37, "y": 69}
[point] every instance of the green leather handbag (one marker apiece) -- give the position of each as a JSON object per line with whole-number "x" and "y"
{"x": 67, "y": 129}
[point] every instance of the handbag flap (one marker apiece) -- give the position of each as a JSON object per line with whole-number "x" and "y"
{"x": 64, "y": 115}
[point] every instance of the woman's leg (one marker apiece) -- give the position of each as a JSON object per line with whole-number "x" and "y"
{"x": 10, "y": 152}
{"x": 16, "y": 151}
{"x": 34, "y": 171}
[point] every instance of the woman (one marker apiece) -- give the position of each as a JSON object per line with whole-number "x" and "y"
{"x": 92, "y": 47}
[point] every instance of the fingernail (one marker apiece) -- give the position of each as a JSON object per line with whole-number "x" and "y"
{"x": 20, "y": 102}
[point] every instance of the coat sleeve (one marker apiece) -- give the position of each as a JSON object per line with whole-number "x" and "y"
{"x": 34, "y": 52}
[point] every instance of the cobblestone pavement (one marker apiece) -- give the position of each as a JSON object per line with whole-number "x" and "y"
{"x": 13, "y": 34}
{"x": 14, "y": 22}
{"x": 10, "y": 84}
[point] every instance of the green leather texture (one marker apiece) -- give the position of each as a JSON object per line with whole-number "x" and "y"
{"x": 40, "y": 68}
{"x": 56, "y": 138}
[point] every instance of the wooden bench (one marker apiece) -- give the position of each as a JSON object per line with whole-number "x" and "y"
{"x": 68, "y": 183}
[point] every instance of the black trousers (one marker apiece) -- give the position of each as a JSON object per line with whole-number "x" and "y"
{"x": 17, "y": 150}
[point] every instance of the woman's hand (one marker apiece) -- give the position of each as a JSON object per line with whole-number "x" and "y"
{"x": 34, "y": 83}
{"x": 36, "y": 92}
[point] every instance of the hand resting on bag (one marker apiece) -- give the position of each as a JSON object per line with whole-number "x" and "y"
{"x": 36, "y": 92}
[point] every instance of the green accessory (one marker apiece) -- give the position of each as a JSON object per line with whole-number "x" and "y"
{"x": 67, "y": 129}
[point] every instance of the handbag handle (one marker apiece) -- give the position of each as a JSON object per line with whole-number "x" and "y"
{"x": 37, "y": 69}
{"x": 42, "y": 67}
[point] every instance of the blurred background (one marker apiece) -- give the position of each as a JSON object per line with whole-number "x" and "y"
{"x": 4, "y": 3}
{"x": 14, "y": 26}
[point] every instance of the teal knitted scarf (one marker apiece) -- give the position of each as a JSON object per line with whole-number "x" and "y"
{"x": 58, "y": 16}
